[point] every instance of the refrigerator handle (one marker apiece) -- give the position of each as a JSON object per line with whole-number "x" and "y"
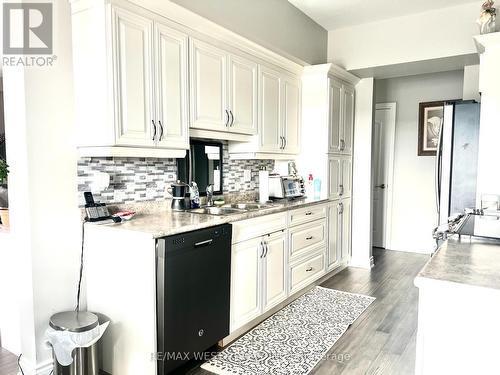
{"x": 437, "y": 173}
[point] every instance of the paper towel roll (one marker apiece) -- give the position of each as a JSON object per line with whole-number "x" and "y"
{"x": 263, "y": 186}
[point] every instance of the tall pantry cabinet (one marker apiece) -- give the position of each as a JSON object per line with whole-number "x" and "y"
{"x": 328, "y": 96}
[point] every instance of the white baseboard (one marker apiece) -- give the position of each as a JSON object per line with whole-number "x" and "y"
{"x": 29, "y": 368}
{"x": 367, "y": 263}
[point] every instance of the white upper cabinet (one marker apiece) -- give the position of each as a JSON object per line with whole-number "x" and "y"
{"x": 291, "y": 115}
{"x": 340, "y": 116}
{"x": 131, "y": 98}
{"x": 133, "y": 65}
{"x": 348, "y": 119}
{"x": 223, "y": 90}
{"x": 243, "y": 95}
{"x": 171, "y": 87}
{"x": 209, "y": 106}
{"x": 335, "y": 114}
{"x": 270, "y": 133}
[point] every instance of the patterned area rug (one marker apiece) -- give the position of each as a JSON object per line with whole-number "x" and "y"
{"x": 295, "y": 339}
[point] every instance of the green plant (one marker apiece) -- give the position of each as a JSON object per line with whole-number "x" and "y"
{"x": 4, "y": 170}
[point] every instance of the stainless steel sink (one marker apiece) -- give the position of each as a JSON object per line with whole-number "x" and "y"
{"x": 219, "y": 211}
{"x": 248, "y": 206}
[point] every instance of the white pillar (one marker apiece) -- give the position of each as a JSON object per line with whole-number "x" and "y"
{"x": 362, "y": 176}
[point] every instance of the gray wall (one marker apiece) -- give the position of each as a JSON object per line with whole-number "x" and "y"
{"x": 275, "y": 24}
{"x": 414, "y": 209}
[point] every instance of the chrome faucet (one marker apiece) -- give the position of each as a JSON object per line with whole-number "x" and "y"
{"x": 210, "y": 195}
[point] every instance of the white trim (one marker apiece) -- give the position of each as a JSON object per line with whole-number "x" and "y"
{"x": 214, "y": 134}
{"x": 390, "y": 172}
{"x": 122, "y": 151}
{"x": 486, "y": 40}
{"x": 261, "y": 156}
{"x": 332, "y": 69}
{"x": 30, "y": 368}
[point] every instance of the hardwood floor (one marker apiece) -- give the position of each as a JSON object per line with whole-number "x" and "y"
{"x": 382, "y": 340}
{"x": 8, "y": 363}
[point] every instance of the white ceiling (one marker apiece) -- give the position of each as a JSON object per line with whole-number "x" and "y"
{"x": 334, "y": 14}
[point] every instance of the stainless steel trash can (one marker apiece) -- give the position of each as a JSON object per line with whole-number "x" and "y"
{"x": 85, "y": 360}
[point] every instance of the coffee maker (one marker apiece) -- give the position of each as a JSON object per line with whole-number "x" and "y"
{"x": 180, "y": 196}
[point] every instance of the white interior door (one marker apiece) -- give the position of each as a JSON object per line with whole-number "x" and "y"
{"x": 383, "y": 159}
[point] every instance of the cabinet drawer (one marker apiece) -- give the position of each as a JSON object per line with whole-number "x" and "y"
{"x": 307, "y": 237}
{"x": 258, "y": 226}
{"x": 307, "y": 214}
{"x": 306, "y": 271}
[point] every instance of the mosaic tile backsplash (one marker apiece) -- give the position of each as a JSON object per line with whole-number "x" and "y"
{"x": 146, "y": 179}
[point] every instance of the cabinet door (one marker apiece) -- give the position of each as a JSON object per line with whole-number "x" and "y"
{"x": 275, "y": 289}
{"x": 334, "y": 236}
{"x": 133, "y": 78}
{"x": 171, "y": 87}
{"x": 208, "y": 83}
{"x": 334, "y": 177}
{"x": 270, "y": 135}
{"x": 346, "y": 229}
{"x": 335, "y": 114}
{"x": 347, "y": 120}
{"x": 243, "y": 95}
{"x": 246, "y": 294}
{"x": 291, "y": 116}
{"x": 345, "y": 185}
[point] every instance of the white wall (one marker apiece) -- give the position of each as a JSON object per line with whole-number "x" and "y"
{"x": 362, "y": 176}
{"x": 275, "y": 24}
{"x": 435, "y": 34}
{"x": 45, "y": 229}
{"x": 414, "y": 209}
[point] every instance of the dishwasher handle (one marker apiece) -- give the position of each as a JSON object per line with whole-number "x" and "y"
{"x": 204, "y": 243}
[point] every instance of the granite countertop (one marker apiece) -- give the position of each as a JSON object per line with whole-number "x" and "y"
{"x": 167, "y": 223}
{"x": 467, "y": 261}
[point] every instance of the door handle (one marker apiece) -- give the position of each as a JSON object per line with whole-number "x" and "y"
{"x": 266, "y": 247}
{"x": 341, "y": 208}
{"x": 284, "y": 143}
{"x": 382, "y": 186}
{"x": 227, "y": 118}
{"x": 154, "y": 129}
{"x": 232, "y": 118}
{"x": 261, "y": 249}
{"x": 204, "y": 243}
{"x": 309, "y": 238}
{"x": 161, "y": 130}
{"x": 309, "y": 269}
{"x": 342, "y": 145}
{"x": 341, "y": 190}
{"x": 308, "y": 213}
{"x": 281, "y": 143}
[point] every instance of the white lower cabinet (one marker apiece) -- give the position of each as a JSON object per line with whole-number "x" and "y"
{"x": 306, "y": 271}
{"x": 339, "y": 233}
{"x": 258, "y": 277}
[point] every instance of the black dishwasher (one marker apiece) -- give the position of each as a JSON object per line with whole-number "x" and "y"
{"x": 193, "y": 273}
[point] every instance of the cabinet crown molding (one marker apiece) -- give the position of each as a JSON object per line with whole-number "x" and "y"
{"x": 486, "y": 41}
{"x": 330, "y": 68}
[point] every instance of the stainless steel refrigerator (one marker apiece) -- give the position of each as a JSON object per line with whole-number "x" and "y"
{"x": 456, "y": 160}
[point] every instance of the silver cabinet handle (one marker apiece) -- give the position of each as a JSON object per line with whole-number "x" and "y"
{"x": 341, "y": 208}
{"x": 232, "y": 118}
{"x": 309, "y": 213}
{"x": 161, "y": 130}
{"x": 309, "y": 238}
{"x": 227, "y": 118}
{"x": 261, "y": 249}
{"x": 267, "y": 248}
{"x": 284, "y": 143}
{"x": 381, "y": 186}
{"x": 281, "y": 143}
{"x": 154, "y": 129}
{"x": 342, "y": 145}
{"x": 203, "y": 243}
{"x": 341, "y": 190}
{"x": 309, "y": 269}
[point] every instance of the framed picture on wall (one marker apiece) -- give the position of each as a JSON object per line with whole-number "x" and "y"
{"x": 430, "y": 120}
